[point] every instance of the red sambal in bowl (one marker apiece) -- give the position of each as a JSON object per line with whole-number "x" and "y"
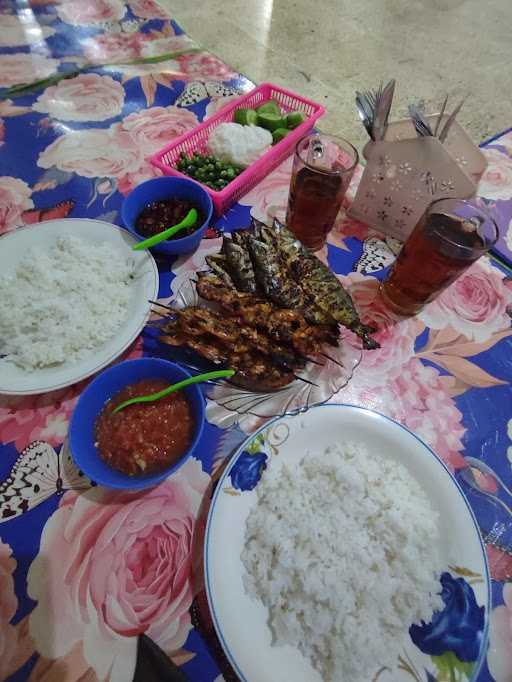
{"x": 144, "y": 438}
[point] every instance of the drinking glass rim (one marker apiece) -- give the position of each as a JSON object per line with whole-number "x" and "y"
{"x": 463, "y": 247}
{"x": 320, "y": 170}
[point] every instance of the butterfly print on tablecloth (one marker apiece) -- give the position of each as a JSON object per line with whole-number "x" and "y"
{"x": 499, "y": 559}
{"x": 60, "y": 210}
{"x": 196, "y": 91}
{"x": 38, "y": 473}
{"x": 377, "y": 254}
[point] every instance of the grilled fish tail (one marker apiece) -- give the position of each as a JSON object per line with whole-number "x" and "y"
{"x": 364, "y": 331}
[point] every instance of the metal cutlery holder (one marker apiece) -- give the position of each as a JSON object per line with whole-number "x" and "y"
{"x": 405, "y": 173}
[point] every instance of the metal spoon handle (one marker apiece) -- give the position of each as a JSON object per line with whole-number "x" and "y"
{"x": 487, "y": 471}
{"x": 218, "y": 374}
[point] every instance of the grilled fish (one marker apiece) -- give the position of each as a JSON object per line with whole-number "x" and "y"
{"x": 313, "y": 313}
{"x": 322, "y": 286}
{"x": 239, "y": 265}
{"x": 272, "y": 278}
{"x": 219, "y": 265}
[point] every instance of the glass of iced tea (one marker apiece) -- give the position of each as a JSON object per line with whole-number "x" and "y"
{"x": 451, "y": 235}
{"x": 323, "y": 166}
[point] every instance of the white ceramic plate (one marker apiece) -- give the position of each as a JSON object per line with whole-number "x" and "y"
{"x": 13, "y": 246}
{"x": 241, "y": 622}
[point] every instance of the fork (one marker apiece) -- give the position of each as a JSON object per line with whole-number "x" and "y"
{"x": 421, "y": 124}
{"x": 374, "y": 107}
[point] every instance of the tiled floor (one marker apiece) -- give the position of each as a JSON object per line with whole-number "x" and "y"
{"x": 326, "y": 49}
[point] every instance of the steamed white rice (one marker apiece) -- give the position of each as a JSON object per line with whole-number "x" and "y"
{"x": 61, "y": 304}
{"x": 343, "y": 552}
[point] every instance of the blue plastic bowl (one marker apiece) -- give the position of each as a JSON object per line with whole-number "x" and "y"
{"x": 160, "y": 189}
{"x": 91, "y": 402}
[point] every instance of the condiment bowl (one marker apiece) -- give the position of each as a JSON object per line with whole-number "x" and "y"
{"x": 91, "y": 402}
{"x": 160, "y": 189}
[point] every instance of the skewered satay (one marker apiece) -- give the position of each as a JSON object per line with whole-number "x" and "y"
{"x": 287, "y": 326}
{"x": 253, "y": 370}
{"x": 202, "y": 322}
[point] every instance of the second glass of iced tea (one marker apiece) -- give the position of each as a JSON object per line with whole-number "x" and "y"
{"x": 451, "y": 236}
{"x": 323, "y": 166}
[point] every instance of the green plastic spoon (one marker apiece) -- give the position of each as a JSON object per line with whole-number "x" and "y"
{"x": 218, "y": 374}
{"x": 189, "y": 220}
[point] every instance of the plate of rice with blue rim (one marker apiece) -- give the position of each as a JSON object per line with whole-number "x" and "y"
{"x": 74, "y": 297}
{"x": 339, "y": 547}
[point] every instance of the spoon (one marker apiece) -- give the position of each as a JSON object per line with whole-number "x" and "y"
{"x": 218, "y": 374}
{"x": 373, "y": 107}
{"x": 421, "y": 124}
{"x": 189, "y": 220}
{"x": 468, "y": 476}
{"x": 485, "y": 469}
{"x": 364, "y": 110}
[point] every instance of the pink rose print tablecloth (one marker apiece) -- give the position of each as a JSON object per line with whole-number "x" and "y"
{"x": 496, "y": 189}
{"x": 86, "y": 571}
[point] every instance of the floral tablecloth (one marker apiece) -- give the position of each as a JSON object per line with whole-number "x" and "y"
{"x": 497, "y": 190}
{"x": 80, "y": 570}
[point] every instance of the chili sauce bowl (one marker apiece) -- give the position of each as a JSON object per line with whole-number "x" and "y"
{"x": 92, "y": 401}
{"x": 162, "y": 189}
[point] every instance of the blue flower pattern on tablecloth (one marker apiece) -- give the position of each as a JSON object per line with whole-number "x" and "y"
{"x": 247, "y": 470}
{"x": 453, "y": 638}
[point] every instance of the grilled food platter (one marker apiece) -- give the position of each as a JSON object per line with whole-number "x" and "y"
{"x": 273, "y": 312}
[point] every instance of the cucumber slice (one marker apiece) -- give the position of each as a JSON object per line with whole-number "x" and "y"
{"x": 252, "y": 117}
{"x": 240, "y": 116}
{"x": 246, "y": 117}
{"x": 270, "y": 107}
{"x": 294, "y": 119}
{"x": 271, "y": 121}
{"x": 279, "y": 134}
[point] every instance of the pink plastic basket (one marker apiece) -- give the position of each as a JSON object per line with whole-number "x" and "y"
{"x": 196, "y": 140}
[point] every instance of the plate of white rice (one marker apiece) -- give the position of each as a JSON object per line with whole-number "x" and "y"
{"x": 73, "y": 297}
{"x": 340, "y": 548}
